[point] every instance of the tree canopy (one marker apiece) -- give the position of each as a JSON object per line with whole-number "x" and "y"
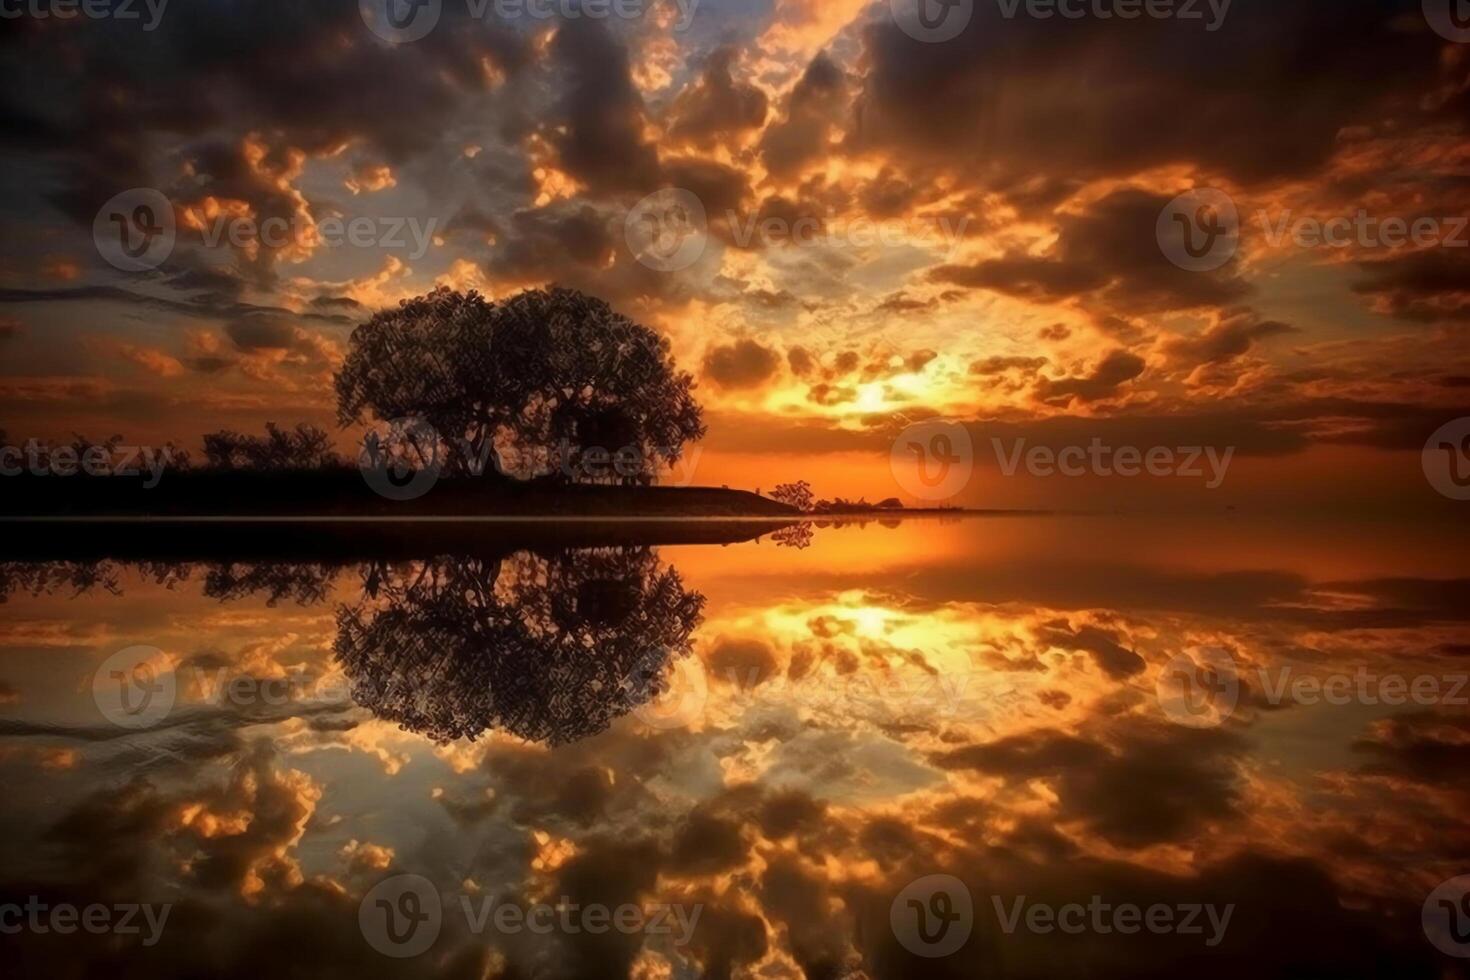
{"x": 556, "y": 377}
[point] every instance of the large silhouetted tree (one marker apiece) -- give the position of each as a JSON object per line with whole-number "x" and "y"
{"x": 549, "y": 374}
{"x": 551, "y": 649}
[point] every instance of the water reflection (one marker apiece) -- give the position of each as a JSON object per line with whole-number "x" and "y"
{"x": 878, "y": 707}
{"x": 550, "y": 649}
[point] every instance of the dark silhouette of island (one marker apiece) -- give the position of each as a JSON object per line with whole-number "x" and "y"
{"x": 546, "y": 404}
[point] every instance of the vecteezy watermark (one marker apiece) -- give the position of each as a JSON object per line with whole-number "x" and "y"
{"x": 64, "y": 919}
{"x": 668, "y": 230}
{"x": 1101, "y": 917}
{"x": 1098, "y": 459}
{"x": 836, "y": 232}
{"x": 1203, "y": 691}
{"x": 933, "y": 916}
{"x": 933, "y": 460}
{"x": 1450, "y": 19}
{"x": 302, "y": 232}
{"x": 124, "y": 10}
{"x": 1199, "y": 230}
{"x": 135, "y": 231}
{"x": 1199, "y": 690}
{"x": 135, "y": 687}
{"x": 1363, "y": 686}
{"x": 139, "y": 687}
{"x": 1363, "y": 230}
{"x": 406, "y": 21}
{"x": 1446, "y": 917}
{"x": 932, "y": 21}
{"x": 403, "y": 916}
{"x": 404, "y": 459}
{"x": 38, "y": 459}
{"x": 1446, "y": 459}
{"x": 671, "y": 692}
{"x": 1211, "y": 13}
{"x": 401, "y": 21}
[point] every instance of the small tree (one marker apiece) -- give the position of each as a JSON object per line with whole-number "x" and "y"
{"x": 304, "y": 448}
{"x": 798, "y": 495}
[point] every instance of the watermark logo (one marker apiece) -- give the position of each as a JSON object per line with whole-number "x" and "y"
{"x": 135, "y": 231}
{"x": 668, "y": 230}
{"x": 678, "y": 704}
{"x": 1206, "y": 920}
{"x": 1182, "y": 10}
{"x": 1446, "y": 459}
{"x": 933, "y": 916}
{"x": 401, "y": 916}
{"x": 1363, "y": 230}
{"x": 1199, "y": 692}
{"x": 1446, "y": 917}
{"x": 64, "y": 919}
{"x": 404, "y": 462}
{"x": 941, "y": 233}
{"x": 135, "y": 687}
{"x": 410, "y": 234}
{"x": 1206, "y": 463}
{"x": 401, "y": 21}
{"x": 124, "y": 10}
{"x": 932, "y": 21}
{"x": 112, "y": 460}
{"x": 1199, "y": 230}
{"x": 1450, "y": 19}
{"x": 933, "y": 460}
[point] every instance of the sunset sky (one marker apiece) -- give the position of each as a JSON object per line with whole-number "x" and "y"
{"x": 978, "y": 222}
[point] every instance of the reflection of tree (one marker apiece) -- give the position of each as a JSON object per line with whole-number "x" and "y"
{"x": 798, "y": 536}
{"x": 81, "y": 577}
{"x": 307, "y": 583}
{"x": 551, "y": 649}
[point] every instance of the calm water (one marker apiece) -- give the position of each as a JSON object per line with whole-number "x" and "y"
{"x": 1021, "y": 747}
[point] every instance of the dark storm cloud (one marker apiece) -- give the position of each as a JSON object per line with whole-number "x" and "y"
{"x": 1228, "y": 339}
{"x": 715, "y": 105}
{"x": 707, "y": 844}
{"x": 743, "y": 663}
{"x": 298, "y": 73}
{"x": 1426, "y": 747}
{"x": 742, "y": 364}
{"x": 720, "y": 189}
{"x": 602, "y": 112}
{"x": 548, "y": 241}
{"x": 262, "y": 333}
{"x": 1431, "y": 286}
{"x": 1108, "y": 255}
{"x": 1000, "y": 365}
{"x": 1102, "y": 645}
{"x": 1014, "y": 98}
{"x": 1115, "y": 370}
{"x": 811, "y": 111}
{"x": 1114, "y": 789}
